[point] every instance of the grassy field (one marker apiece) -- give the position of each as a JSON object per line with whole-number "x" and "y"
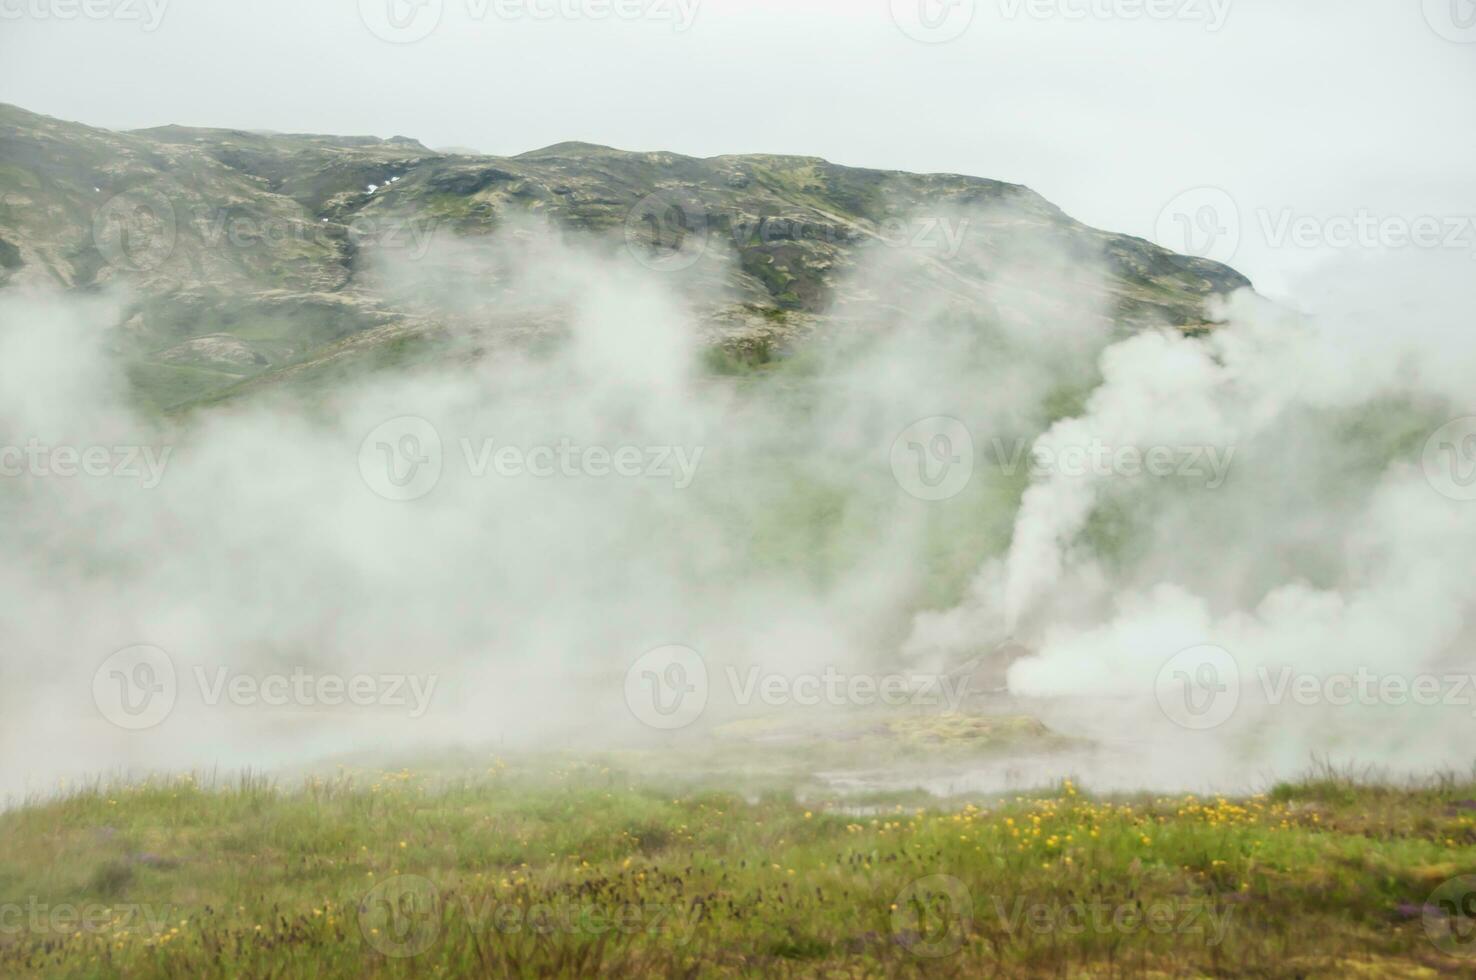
{"x": 575, "y": 869}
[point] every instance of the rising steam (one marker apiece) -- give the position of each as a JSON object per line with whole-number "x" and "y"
{"x": 776, "y": 532}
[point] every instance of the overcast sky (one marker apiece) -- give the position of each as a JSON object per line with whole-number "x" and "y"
{"x": 1289, "y": 110}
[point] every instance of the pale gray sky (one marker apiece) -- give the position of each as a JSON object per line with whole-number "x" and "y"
{"x": 1300, "y": 111}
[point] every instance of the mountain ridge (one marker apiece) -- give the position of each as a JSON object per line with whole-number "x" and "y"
{"x": 257, "y": 239}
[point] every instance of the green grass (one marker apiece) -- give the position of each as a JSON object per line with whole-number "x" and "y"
{"x": 158, "y": 387}
{"x": 583, "y": 870}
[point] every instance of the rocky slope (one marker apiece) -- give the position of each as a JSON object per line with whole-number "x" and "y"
{"x": 257, "y": 255}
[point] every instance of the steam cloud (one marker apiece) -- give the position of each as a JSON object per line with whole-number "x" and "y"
{"x": 779, "y": 538}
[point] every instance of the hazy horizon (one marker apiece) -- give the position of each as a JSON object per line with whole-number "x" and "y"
{"x": 1107, "y": 110}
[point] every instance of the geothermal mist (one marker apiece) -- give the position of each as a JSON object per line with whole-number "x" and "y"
{"x": 779, "y": 537}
